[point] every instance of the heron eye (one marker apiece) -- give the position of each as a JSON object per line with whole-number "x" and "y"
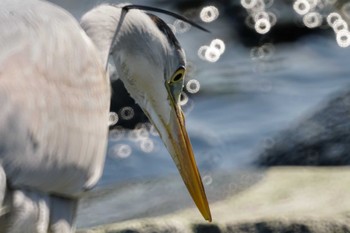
{"x": 178, "y": 75}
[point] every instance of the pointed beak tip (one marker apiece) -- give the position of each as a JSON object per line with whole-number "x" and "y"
{"x": 177, "y": 141}
{"x": 208, "y": 218}
{"x": 206, "y": 213}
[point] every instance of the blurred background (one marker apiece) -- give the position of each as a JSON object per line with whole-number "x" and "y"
{"x": 259, "y": 92}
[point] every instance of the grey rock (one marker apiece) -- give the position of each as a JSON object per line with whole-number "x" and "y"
{"x": 311, "y": 226}
{"x": 288, "y": 227}
{"x": 322, "y": 139}
{"x": 206, "y": 228}
{"x": 287, "y": 200}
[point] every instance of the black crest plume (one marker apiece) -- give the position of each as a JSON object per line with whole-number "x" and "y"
{"x": 126, "y": 8}
{"x": 149, "y": 8}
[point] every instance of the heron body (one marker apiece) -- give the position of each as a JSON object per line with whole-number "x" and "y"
{"x": 54, "y": 105}
{"x": 54, "y": 96}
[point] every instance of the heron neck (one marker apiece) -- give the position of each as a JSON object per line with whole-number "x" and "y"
{"x": 102, "y": 41}
{"x": 100, "y": 25}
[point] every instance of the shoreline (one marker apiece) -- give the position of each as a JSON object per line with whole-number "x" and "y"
{"x": 286, "y": 198}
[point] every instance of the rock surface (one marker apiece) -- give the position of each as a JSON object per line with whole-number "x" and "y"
{"x": 287, "y": 200}
{"x": 322, "y": 139}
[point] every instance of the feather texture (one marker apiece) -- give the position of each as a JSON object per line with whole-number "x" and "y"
{"x": 55, "y": 95}
{"x": 54, "y": 105}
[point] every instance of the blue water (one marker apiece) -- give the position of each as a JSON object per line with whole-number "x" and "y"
{"x": 242, "y": 104}
{"x": 238, "y": 109}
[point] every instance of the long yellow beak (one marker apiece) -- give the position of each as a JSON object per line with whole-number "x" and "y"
{"x": 175, "y": 138}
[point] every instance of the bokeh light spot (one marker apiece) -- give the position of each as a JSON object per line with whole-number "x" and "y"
{"x": 313, "y": 3}
{"x": 262, "y": 26}
{"x": 132, "y": 135}
{"x": 255, "y": 53}
{"x": 340, "y": 25}
{"x": 261, "y": 15}
{"x": 248, "y": 4}
{"x": 301, "y": 7}
{"x": 343, "y": 38}
{"x": 268, "y": 3}
{"x": 147, "y": 145}
{"x": 183, "y": 99}
{"x": 193, "y": 86}
{"x": 259, "y": 6}
{"x": 201, "y": 52}
{"x": 267, "y": 50}
{"x": 212, "y": 54}
{"x": 181, "y": 26}
{"x": 272, "y": 18}
{"x": 121, "y": 151}
{"x": 172, "y": 27}
{"x": 127, "y": 113}
{"x": 153, "y": 131}
{"x": 312, "y": 19}
{"x": 249, "y": 21}
{"x": 116, "y": 134}
{"x": 142, "y": 133}
{"x": 332, "y": 18}
{"x": 207, "y": 180}
{"x": 209, "y": 14}
{"x": 113, "y": 118}
{"x": 219, "y": 45}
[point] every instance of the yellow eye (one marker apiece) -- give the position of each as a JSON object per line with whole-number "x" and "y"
{"x": 178, "y": 75}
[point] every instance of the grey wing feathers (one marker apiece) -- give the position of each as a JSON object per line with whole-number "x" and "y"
{"x": 54, "y": 100}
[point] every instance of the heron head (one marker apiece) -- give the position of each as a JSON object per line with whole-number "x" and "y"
{"x": 151, "y": 64}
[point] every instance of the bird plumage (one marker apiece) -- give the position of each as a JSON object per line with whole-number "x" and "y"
{"x": 54, "y": 96}
{"x": 54, "y": 105}
{"x": 144, "y": 56}
{"x": 151, "y": 64}
{"x": 56, "y": 85}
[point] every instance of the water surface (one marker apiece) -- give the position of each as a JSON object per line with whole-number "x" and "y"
{"x": 243, "y": 102}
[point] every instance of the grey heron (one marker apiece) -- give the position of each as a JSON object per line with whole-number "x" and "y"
{"x": 54, "y": 101}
